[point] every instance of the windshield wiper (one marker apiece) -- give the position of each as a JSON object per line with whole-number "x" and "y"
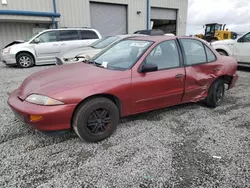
{"x": 95, "y": 63}
{"x": 92, "y": 46}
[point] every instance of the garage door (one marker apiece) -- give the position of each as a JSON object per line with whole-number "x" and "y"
{"x": 14, "y": 31}
{"x": 163, "y": 14}
{"x": 109, "y": 19}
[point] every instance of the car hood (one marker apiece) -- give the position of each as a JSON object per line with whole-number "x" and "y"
{"x": 14, "y": 43}
{"x": 61, "y": 78}
{"x": 223, "y": 42}
{"x": 80, "y": 51}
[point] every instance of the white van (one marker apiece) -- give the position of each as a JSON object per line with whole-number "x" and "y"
{"x": 44, "y": 47}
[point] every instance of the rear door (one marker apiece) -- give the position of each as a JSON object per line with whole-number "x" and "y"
{"x": 88, "y": 37}
{"x": 69, "y": 40}
{"x": 201, "y": 69}
{"x": 47, "y": 48}
{"x": 242, "y": 49}
{"x": 162, "y": 88}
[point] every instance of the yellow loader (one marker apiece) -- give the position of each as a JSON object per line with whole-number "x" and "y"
{"x": 215, "y": 31}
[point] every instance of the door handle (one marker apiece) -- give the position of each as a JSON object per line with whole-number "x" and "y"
{"x": 179, "y": 76}
{"x": 55, "y": 44}
{"x": 216, "y": 69}
{"x": 63, "y": 44}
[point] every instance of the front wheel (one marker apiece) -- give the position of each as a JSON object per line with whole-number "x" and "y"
{"x": 25, "y": 60}
{"x": 96, "y": 119}
{"x": 215, "y": 94}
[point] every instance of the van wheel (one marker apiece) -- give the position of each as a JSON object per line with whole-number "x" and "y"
{"x": 223, "y": 53}
{"x": 215, "y": 94}
{"x": 96, "y": 119}
{"x": 25, "y": 60}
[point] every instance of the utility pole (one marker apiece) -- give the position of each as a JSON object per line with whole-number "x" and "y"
{"x": 148, "y": 14}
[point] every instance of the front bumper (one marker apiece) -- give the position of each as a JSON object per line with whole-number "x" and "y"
{"x": 8, "y": 59}
{"x": 233, "y": 81}
{"x": 55, "y": 118}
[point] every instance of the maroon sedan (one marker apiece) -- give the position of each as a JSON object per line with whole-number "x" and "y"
{"x": 135, "y": 75}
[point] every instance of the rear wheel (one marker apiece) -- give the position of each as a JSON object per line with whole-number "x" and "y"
{"x": 222, "y": 53}
{"x": 215, "y": 94}
{"x": 25, "y": 60}
{"x": 96, "y": 119}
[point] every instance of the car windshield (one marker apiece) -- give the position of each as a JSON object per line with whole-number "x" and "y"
{"x": 123, "y": 55}
{"x": 28, "y": 39}
{"x": 104, "y": 42}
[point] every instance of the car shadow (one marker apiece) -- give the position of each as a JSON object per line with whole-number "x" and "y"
{"x": 156, "y": 115}
{"x": 16, "y": 67}
{"x": 244, "y": 68}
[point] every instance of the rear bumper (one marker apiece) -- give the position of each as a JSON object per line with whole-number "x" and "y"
{"x": 55, "y": 118}
{"x": 8, "y": 59}
{"x": 233, "y": 81}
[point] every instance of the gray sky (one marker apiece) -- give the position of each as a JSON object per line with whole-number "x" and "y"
{"x": 234, "y": 13}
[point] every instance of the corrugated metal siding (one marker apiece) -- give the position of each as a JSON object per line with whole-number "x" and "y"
{"x": 74, "y": 13}
{"x": 27, "y": 5}
{"x": 31, "y": 5}
{"x": 14, "y": 31}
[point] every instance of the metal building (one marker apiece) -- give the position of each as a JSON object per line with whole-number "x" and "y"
{"x": 19, "y": 19}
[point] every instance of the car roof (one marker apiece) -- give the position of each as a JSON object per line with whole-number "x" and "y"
{"x": 163, "y": 38}
{"x": 68, "y": 28}
{"x": 130, "y": 35}
{"x": 154, "y": 38}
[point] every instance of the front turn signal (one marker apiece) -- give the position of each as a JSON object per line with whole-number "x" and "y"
{"x": 35, "y": 118}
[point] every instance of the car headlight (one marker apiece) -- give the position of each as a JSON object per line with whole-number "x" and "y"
{"x": 42, "y": 100}
{"x": 6, "y": 50}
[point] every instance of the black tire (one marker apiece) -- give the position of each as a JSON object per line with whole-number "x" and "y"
{"x": 222, "y": 53}
{"x": 89, "y": 121}
{"x": 25, "y": 60}
{"x": 215, "y": 94}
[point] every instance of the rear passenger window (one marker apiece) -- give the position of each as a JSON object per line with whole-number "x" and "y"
{"x": 88, "y": 35}
{"x": 67, "y": 35}
{"x": 210, "y": 55}
{"x": 194, "y": 51}
{"x": 165, "y": 55}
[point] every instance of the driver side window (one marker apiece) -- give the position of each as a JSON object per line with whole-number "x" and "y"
{"x": 49, "y": 36}
{"x": 165, "y": 55}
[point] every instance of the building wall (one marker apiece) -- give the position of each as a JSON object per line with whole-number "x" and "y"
{"x": 27, "y": 5}
{"x": 76, "y": 13}
{"x": 81, "y": 17}
{"x": 181, "y": 5}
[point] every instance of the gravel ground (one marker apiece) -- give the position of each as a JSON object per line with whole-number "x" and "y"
{"x": 173, "y": 147}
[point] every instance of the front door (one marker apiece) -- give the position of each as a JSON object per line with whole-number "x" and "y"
{"x": 242, "y": 49}
{"x": 162, "y": 88}
{"x": 201, "y": 69}
{"x": 47, "y": 48}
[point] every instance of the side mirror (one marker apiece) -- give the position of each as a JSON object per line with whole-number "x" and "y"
{"x": 148, "y": 68}
{"x": 36, "y": 40}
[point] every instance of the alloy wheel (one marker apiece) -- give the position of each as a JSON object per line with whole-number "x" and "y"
{"x": 98, "y": 121}
{"x": 25, "y": 61}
